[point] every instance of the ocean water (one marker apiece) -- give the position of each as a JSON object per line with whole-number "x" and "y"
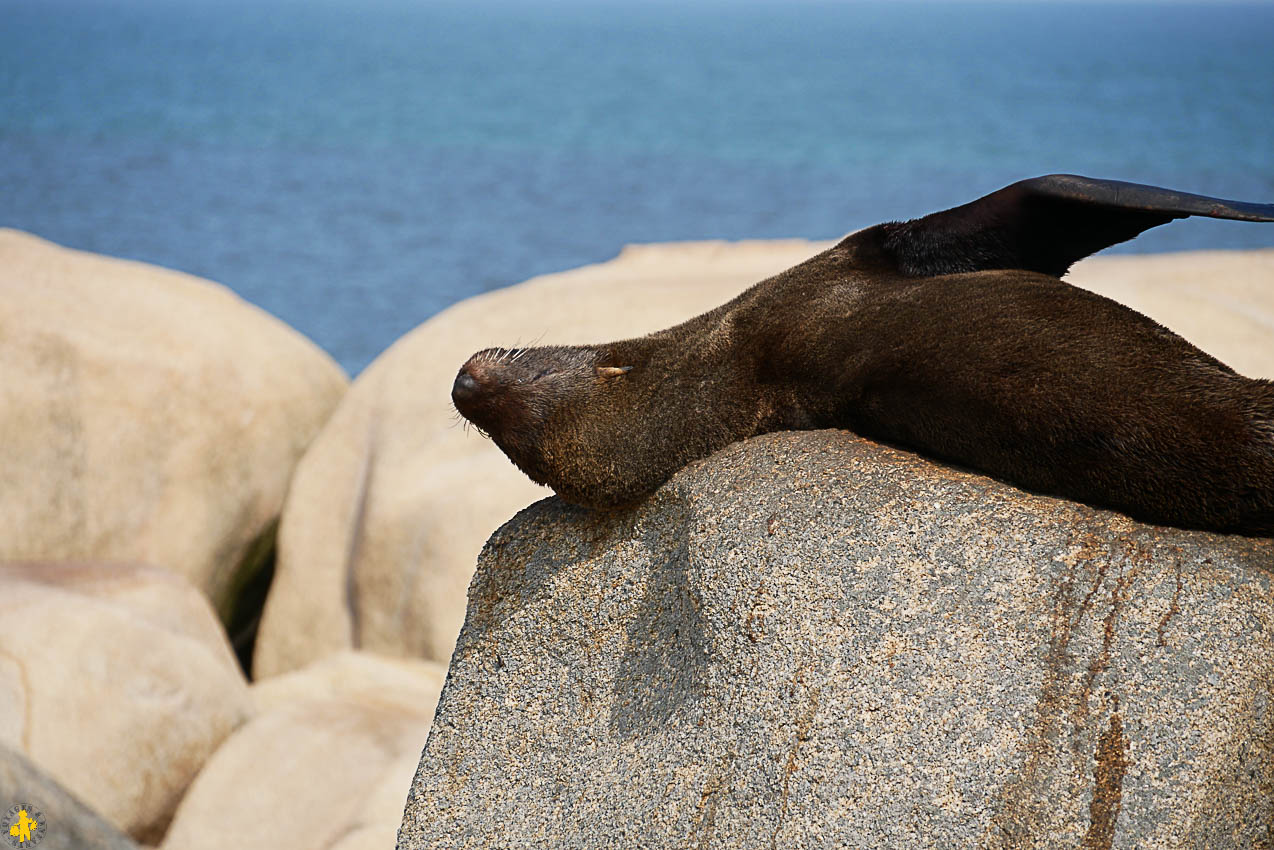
{"x": 354, "y": 167}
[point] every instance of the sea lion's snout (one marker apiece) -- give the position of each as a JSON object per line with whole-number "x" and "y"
{"x": 501, "y": 388}
{"x": 547, "y": 408}
{"x": 476, "y": 390}
{"x": 498, "y": 389}
{"x": 466, "y": 388}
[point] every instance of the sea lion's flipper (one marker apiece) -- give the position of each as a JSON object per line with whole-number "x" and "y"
{"x": 1045, "y": 224}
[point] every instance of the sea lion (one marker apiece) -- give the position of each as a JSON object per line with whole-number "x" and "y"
{"x": 951, "y": 335}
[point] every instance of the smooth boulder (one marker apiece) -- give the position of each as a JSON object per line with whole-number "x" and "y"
{"x": 811, "y": 640}
{"x": 118, "y": 682}
{"x": 146, "y": 415}
{"x": 325, "y": 761}
{"x": 391, "y": 505}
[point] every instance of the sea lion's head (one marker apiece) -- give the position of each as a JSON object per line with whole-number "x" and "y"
{"x": 561, "y": 414}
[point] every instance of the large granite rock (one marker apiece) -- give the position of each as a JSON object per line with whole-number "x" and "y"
{"x": 325, "y": 761}
{"x": 391, "y": 505}
{"x": 67, "y": 823}
{"x": 810, "y": 640}
{"x": 393, "y": 502}
{"x": 146, "y": 415}
{"x": 118, "y": 682}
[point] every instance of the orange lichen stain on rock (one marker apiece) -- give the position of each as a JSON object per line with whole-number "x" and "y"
{"x": 804, "y": 726}
{"x": 1101, "y": 660}
{"x": 1108, "y": 784}
{"x": 706, "y": 811}
{"x": 1136, "y": 558}
{"x": 1174, "y": 607}
{"x": 754, "y": 625}
{"x": 1053, "y": 747}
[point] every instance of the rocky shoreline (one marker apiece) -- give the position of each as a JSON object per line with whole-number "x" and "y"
{"x": 160, "y": 435}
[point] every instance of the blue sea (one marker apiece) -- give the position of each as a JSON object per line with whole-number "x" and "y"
{"x": 355, "y": 167}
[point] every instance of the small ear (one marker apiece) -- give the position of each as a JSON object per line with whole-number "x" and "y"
{"x": 613, "y": 371}
{"x": 1045, "y": 224}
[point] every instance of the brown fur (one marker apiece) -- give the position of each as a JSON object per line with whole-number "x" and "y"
{"x": 1011, "y": 372}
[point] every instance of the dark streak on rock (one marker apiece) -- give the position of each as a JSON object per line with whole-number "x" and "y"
{"x": 706, "y": 814}
{"x": 1021, "y": 817}
{"x": 803, "y": 726}
{"x": 1137, "y": 558}
{"x": 1101, "y": 660}
{"x": 754, "y": 625}
{"x": 1028, "y": 801}
{"x": 1098, "y": 580}
{"x": 1173, "y": 607}
{"x": 1108, "y": 784}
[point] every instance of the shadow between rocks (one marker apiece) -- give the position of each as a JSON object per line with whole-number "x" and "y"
{"x": 245, "y": 600}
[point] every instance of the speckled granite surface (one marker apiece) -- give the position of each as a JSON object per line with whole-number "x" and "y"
{"x": 64, "y": 822}
{"x": 810, "y": 640}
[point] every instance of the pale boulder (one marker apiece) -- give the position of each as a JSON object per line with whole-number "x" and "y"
{"x": 391, "y": 505}
{"x": 146, "y": 415}
{"x": 325, "y": 762}
{"x": 354, "y": 675}
{"x": 118, "y": 682}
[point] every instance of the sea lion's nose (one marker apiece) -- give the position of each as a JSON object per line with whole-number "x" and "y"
{"x": 465, "y": 388}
